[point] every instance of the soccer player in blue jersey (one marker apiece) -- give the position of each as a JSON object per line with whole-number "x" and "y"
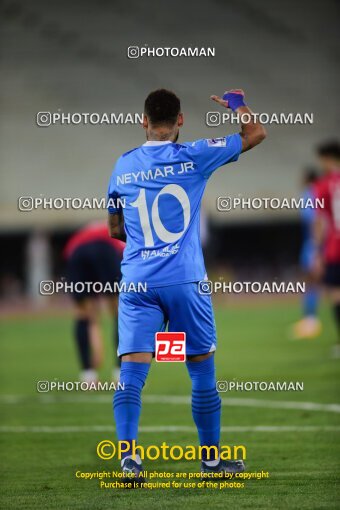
{"x": 310, "y": 325}
{"x": 162, "y": 183}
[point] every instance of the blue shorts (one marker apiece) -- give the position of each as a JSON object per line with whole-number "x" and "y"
{"x": 180, "y": 307}
{"x": 307, "y": 256}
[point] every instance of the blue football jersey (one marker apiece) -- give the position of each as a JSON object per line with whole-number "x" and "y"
{"x": 161, "y": 185}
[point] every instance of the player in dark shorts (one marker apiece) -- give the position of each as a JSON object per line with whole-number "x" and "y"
{"x": 92, "y": 256}
{"x": 327, "y": 228}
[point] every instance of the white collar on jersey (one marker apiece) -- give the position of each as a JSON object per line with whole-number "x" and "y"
{"x": 150, "y": 143}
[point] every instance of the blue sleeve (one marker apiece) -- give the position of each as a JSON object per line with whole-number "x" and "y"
{"x": 113, "y": 205}
{"x": 212, "y": 153}
{"x": 307, "y": 211}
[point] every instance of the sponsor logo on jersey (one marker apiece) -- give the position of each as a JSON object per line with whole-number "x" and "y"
{"x": 217, "y": 142}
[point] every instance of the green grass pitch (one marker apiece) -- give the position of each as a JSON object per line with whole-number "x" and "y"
{"x": 38, "y": 468}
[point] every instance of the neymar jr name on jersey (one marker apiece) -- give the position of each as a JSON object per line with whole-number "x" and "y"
{"x": 155, "y": 173}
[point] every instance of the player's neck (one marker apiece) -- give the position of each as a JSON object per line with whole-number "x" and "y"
{"x": 161, "y": 135}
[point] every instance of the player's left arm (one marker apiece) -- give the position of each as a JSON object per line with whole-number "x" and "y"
{"x": 252, "y": 131}
{"x": 319, "y": 230}
{"x": 319, "y": 236}
{"x": 116, "y": 226}
{"x": 115, "y": 211}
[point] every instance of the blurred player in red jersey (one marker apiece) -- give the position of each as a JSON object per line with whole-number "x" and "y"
{"x": 93, "y": 256}
{"x": 327, "y": 227}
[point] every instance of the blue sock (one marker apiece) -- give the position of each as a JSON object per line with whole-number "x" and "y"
{"x": 206, "y": 403}
{"x": 310, "y": 302}
{"x": 127, "y": 402}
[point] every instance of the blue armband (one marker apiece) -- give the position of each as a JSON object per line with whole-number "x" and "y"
{"x": 234, "y": 99}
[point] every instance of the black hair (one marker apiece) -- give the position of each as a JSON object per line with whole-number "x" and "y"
{"x": 162, "y": 107}
{"x": 310, "y": 175}
{"x": 330, "y": 148}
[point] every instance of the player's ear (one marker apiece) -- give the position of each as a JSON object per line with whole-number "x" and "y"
{"x": 180, "y": 120}
{"x": 145, "y": 122}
